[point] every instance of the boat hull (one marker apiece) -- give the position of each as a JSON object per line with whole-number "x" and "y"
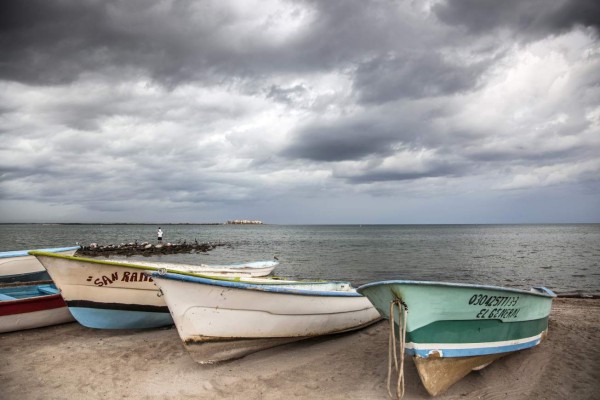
{"x": 453, "y": 328}
{"x": 36, "y": 311}
{"x": 220, "y": 321}
{"x": 108, "y": 295}
{"x": 19, "y": 266}
{"x": 95, "y": 315}
{"x": 438, "y": 374}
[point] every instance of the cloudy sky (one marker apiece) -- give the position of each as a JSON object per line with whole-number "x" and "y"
{"x": 443, "y": 111}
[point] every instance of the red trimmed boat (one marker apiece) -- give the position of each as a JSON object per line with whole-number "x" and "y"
{"x": 31, "y": 305}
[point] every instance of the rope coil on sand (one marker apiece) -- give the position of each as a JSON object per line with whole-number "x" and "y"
{"x": 393, "y": 351}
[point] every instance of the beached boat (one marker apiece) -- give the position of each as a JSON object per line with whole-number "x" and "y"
{"x": 111, "y": 295}
{"x": 31, "y": 305}
{"x": 451, "y": 329}
{"x": 220, "y": 320}
{"x": 19, "y": 266}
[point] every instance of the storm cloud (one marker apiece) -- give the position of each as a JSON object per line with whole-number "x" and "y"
{"x": 204, "y": 111}
{"x": 535, "y": 17}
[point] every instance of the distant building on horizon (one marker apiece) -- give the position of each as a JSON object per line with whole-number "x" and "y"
{"x": 244, "y": 221}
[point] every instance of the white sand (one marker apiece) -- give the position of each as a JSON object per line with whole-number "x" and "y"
{"x": 72, "y": 362}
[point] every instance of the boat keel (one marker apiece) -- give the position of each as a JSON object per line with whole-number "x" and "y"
{"x": 438, "y": 374}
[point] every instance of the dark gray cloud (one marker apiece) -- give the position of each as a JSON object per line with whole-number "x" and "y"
{"x": 345, "y": 140}
{"x": 177, "y": 41}
{"x": 55, "y": 42}
{"x": 375, "y": 132}
{"x": 411, "y": 75}
{"x": 535, "y": 17}
{"x": 434, "y": 170}
{"x": 286, "y": 95}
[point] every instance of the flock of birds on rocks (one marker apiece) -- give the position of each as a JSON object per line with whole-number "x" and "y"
{"x": 147, "y": 249}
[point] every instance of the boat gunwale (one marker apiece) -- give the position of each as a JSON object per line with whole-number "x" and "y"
{"x": 262, "y": 287}
{"x": 547, "y": 292}
{"x": 24, "y": 253}
{"x": 31, "y": 299}
{"x": 249, "y": 266}
{"x": 276, "y": 280}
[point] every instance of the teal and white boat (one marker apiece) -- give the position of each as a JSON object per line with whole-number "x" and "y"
{"x": 451, "y": 329}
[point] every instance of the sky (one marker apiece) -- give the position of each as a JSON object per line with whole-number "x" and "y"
{"x": 300, "y": 112}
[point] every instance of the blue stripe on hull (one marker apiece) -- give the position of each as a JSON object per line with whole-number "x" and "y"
{"x": 120, "y": 319}
{"x": 475, "y": 351}
{"x": 25, "y": 253}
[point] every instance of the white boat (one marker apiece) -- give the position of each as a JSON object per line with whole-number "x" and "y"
{"x": 111, "y": 295}
{"x": 223, "y": 319}
{"x": 19, "y": 266}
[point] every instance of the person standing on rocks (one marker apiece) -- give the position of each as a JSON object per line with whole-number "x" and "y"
{"x": 160, "y": 235}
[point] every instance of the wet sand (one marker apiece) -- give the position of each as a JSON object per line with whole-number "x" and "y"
{"x": 72, "y": 362}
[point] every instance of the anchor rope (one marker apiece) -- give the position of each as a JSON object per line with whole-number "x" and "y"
{"x": 393, "y": 350}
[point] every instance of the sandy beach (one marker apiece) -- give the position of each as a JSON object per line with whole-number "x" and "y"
{"x": 72, "y": 362}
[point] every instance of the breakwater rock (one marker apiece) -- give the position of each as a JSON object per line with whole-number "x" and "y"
{"x": 146, "y": 249}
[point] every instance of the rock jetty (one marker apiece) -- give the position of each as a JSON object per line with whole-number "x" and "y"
{"x": 146, "y": 249}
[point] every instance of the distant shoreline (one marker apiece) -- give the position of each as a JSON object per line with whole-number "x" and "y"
{"x": 297, "y": 224}
{"x": 114, "y": 223}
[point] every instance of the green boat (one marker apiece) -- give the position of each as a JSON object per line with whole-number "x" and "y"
{"x": 451, "y": 329}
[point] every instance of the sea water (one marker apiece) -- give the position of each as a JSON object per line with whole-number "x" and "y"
{"x": 562, "y": 257}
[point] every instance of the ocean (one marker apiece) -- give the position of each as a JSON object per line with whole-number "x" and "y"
{"x": 562, "y": 257}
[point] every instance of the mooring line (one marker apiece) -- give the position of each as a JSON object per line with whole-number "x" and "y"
{"x": 393, "y": 352}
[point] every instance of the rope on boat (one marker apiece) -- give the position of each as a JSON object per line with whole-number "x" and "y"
{"x": 393, "y": 351}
